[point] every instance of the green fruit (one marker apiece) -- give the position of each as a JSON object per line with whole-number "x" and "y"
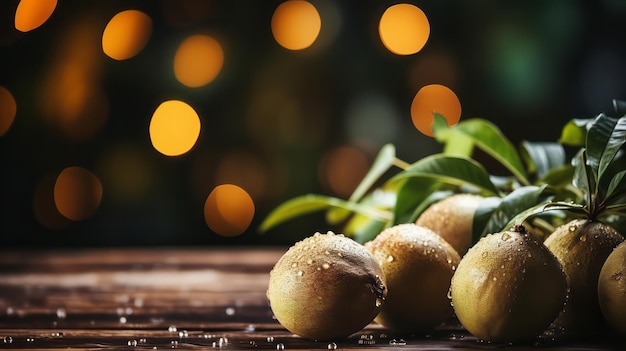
{"x": 452, "y": 218}
{"x": 508, "y": 287}
{"x": 326, "y": 286}
{"x": 418, "y": 265}
{"x": 582, "y": 246}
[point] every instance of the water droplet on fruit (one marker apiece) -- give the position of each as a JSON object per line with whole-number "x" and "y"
{"x": 280, "y": 346}
{"x": 506, "y": 236}
{"x": 300, "y": 273}
{"x": 389, "y": 258}
{"x": 325, "y": 266}
{"x": 332, "y": 346}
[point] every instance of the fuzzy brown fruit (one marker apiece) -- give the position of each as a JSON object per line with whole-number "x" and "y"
{"x": 612, "y": 289}
{"x": 418, "y": 265}
{"x": 508, "y": 288}
{"x": 452, "y": 218}
{"x": 582, "y": 246}
{"x": 326, "y": 286}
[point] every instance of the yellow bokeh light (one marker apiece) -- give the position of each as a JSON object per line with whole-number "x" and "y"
{"x": 228, "y": 210}
{"x": 174, "y": 128}
{"x": 126, "y": 34}
{"x": 198, "y": 60}
{"x": 296, "y": 24}
{"x": 404, "y": 29}
{"x": 434, "y": 98}
{"x": 8, "y": 108}
{"x": 77, "y": 193}
{"x": 30, "y": 14}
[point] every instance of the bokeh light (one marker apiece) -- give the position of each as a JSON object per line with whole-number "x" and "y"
{"x": 198, "y": 60}
{"x": 228, "y": 210}
{"x": 174, "y": 128}
{"x": 72, "y": 97}
{"x": 31, "y": 14}
{"x": 404, "y": 29}
{"x": 8, "y": 109}
{"x": 77, "y": 193}
{"x": 434, "y": 98}
{"x": 126, "y": 34}
{"x": 296, "y": 24}
{"x": 245, "y": 169}
{"x": 44, "y": 208}
{"x": 342, "y": 169}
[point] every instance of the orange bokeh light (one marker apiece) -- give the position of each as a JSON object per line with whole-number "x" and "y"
{"x": 72, "y": 96}
{"x": 126, "y": 34}
{"x": 342, "y": 169}
{"x": 198, "y": 60}
{"x": 174, "y": 128}
{"x": 434, "y": 98}
{"x": 77, "y": 193}
{"x": 8, "y": 109}
{"x": 31, "y": 14}
{"x": 296, "y": 24}
{"x": 404, "y": 29}
{"x": 228, "y": 210}
{"x": 44, "y": 208}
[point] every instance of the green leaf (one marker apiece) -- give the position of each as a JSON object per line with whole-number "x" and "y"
{"x": 486, "y": 136}
{"x": 543, "y": 156}
{"x": 516, "y": 202}
{"x": 558, "y": 177}
{"x": 584, "y": 178}
{"x": 616, "y": 186}
{"x": 383, "y": 161}
{"x": 454, "y": 143}
{"x": 454, "y": 170}
{"x": 310, "y": 203}
{"x": 364, "y": 228}
{"x": 605, "y": 137}
{"x": 482, "y": 215}
{"x": 415, "y": 195}
{"x": 619, "y": 107}
{"x": 574, "y": 132}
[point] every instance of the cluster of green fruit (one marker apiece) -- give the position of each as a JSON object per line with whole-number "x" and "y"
{"x": 510, "y": 257}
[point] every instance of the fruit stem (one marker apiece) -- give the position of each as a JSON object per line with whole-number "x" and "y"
{"x": 401, "y": 164}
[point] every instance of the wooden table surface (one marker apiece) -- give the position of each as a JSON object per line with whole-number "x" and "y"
{"x": 204, "y": 298}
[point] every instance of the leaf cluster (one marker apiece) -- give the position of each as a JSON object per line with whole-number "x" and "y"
{"x": 543, "y": 187}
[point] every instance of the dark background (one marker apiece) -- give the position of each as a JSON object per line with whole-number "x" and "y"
{"x": 527, "y": 66}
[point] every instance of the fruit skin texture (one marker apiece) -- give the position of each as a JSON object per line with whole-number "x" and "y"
{"x": 452, "y": 218}
{"x": 418, "y": 265}
{"x": 508, "y": 288}
{"x": 582, "y": 246}
{"x": 326, "y": 286}
{"x": 612, "y": 289}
